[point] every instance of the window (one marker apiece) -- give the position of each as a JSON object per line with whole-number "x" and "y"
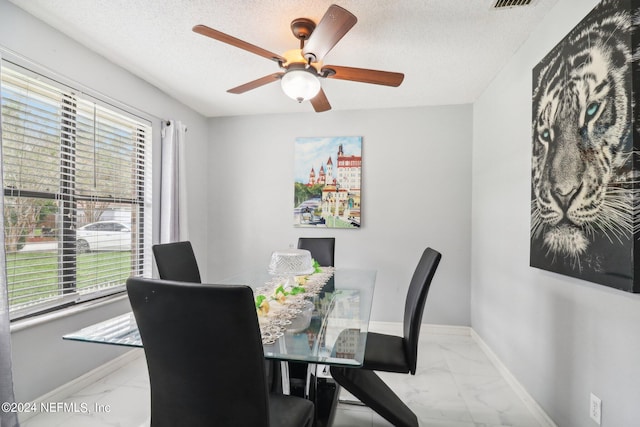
{"x": 76, "y": 193}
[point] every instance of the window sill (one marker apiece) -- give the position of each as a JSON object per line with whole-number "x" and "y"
{"x": 30, "y": 322}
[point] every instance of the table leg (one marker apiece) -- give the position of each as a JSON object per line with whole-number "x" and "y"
{"x": 326, "y": 392}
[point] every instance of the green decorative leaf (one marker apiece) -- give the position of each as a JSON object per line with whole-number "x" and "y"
{"x": 297, "y": 290}
{"x": 259, "y": 300}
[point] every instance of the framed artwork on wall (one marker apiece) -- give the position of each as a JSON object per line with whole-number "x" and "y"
{"x": 327, "y": 182}
{"x": 585, "y": 212}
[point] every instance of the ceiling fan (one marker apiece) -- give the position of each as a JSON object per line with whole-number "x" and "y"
{"x": 303, "y": 68}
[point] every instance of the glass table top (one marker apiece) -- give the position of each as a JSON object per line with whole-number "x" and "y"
{"x": 333, "y": 333}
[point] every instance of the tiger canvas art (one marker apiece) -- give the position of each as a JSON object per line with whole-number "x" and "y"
{"x": 584, "y": 172}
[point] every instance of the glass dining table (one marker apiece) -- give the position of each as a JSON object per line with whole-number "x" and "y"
{"x": 328, "y": 329}
{"x": 343, "y": 303}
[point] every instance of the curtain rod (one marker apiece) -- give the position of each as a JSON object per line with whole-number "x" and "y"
{"x": 168, "y": 123}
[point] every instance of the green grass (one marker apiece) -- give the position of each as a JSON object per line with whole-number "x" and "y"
{"x": 334, "y": 222}
{"x": 34, "y": 275}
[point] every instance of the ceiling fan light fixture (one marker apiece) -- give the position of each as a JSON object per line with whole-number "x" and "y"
{"x": 300, "y": 84}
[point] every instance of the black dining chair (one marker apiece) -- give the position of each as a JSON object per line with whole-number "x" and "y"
{"x": 205, "y": 359}
{"x": 303, "y": 378}
{"x": 389, "y": 353}
{"x": 322, "y": 249}
{"x": 177, "y": 261}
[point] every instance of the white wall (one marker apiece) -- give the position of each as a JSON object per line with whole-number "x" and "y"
{"x": 562, "y": 338}
{"x": 415, "y": 193}
{"x": 42, "y": 361}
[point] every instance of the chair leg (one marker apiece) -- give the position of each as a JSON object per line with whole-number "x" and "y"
{"x": 373, "y": 392}
{"x": 274, "y": 376}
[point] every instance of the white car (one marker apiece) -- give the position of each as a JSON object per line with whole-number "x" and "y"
{"x": 103, "y": 236}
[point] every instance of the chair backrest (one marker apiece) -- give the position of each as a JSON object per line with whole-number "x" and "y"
{"x": 204, "y": 353}
{"x": 322, "y": 249}
{"x": 176, "y": 261}
{"x": 414, "y": 304}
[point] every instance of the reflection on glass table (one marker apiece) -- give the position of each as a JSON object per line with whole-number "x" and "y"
{"x": 343, "y": 303}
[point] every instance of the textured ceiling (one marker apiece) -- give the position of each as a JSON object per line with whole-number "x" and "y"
{"x": 449, "y": 50}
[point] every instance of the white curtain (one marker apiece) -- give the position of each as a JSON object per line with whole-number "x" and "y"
{"x": 173, "y": 197}
{"x": 7, "y": 418}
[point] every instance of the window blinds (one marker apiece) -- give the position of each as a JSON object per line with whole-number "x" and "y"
{"x": 75, "y": 186}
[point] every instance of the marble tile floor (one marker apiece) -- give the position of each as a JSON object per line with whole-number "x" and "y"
{"x": 456, "y": 385}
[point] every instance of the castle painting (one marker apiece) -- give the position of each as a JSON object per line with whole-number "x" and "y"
{"x": 328, "y": 176}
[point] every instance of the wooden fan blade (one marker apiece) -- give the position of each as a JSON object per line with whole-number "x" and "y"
{"x": 335, "y": 23}
{"x": 363, "y": 75}
{"x": 226, "y": 38}
{"x": 320, "y": 102}
{"x": 256, "y": 83}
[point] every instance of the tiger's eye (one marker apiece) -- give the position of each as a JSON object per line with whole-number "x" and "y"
{"x": 545, "y": 135}
{"x": 592, "y": 109}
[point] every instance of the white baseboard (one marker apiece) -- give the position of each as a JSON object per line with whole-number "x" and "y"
{"x": 529, "y": 402}
{"x": 61, "y": 393}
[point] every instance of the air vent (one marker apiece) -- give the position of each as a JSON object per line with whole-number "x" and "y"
{"x": 503, "y": 4}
